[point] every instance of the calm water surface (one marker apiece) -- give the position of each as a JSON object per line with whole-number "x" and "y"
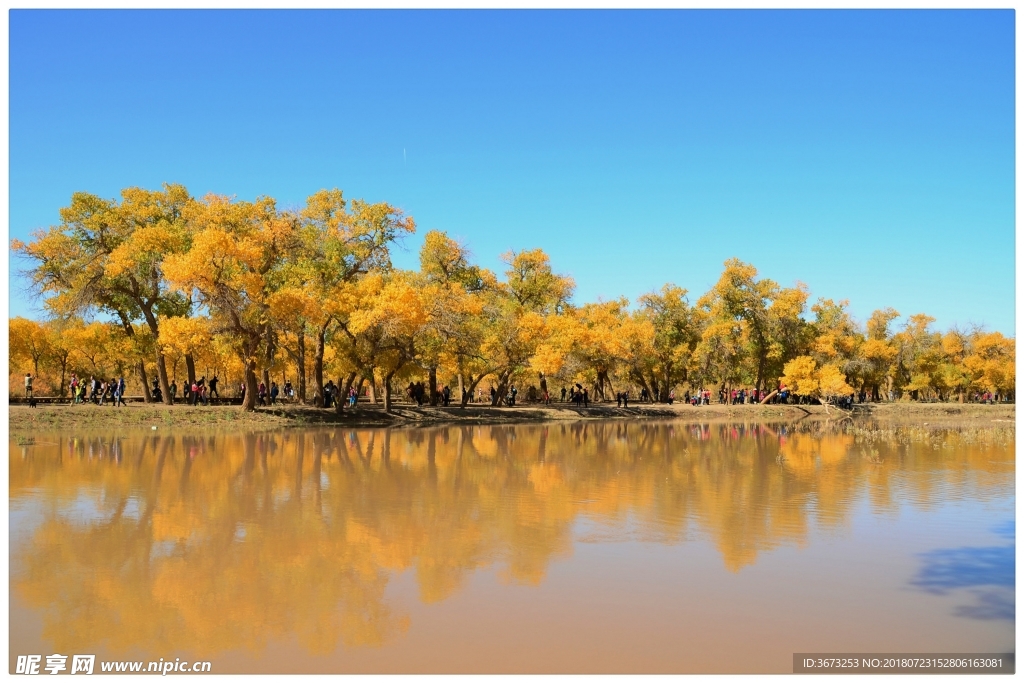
{"x": 598, "y": 547}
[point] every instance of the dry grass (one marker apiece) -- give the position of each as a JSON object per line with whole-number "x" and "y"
{"x": 25, "y": 420}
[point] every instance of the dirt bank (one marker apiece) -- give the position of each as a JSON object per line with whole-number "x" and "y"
{"x": 24, "y": 420}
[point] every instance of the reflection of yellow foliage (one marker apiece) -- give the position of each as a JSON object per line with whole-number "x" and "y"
{"x": 174, "y": 524}
{"x": 545, "y": 477}
{"x": 805, "y": 453}
{"x": 231, "y": 542}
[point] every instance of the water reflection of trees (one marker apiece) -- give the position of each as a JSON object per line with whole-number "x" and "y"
{"x": 211, "y": 543}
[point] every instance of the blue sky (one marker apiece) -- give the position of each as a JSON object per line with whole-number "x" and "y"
{"x": 868, "y": 154}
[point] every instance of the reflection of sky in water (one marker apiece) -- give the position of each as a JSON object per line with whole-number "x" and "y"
{"x": 161, "y": 549}
{"x": 88, "y": 508}
{"x": 85, "y": 509}
{"x": 24, "y": 517}
{"x": 985, "y": 572}
{"x": 1006, "y": 530}
{"x": 132, "y": 510}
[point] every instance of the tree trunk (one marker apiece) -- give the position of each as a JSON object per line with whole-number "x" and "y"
{"x": 768, "y": 397}
{"x": 146, "y": 393}
{"x": 318, "y": 364}
{"x": 387, "y": 392}
{"x": 499, "y": 395}
{"x": 161, "y": 374}
{"x": 301, "y": 363}
{"x": 604, "y": 380}
{"x": 639, "y": 377}
{"x": 343, "y": 392}
{"x": 432, "y": 381}
{"x": 249, "y": 402}
{"x": 371, "y": 379}
{"x": 190, "y": 368}
{"x": 161, "y": 366}
{"x": 468, "y": 394}
{"x": 760, "y": 370}
{"x": 268, "y": 360}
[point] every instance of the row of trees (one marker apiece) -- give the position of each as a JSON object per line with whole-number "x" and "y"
{"x": 246, "y": 288}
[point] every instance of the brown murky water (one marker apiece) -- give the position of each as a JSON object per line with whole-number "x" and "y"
{"x": 598, "y": 547}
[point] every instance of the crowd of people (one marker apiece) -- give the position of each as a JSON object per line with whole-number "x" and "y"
{"x": 416, "y": 392}
{"x": 201, "y": 391}
{"x": 97, "y": 391}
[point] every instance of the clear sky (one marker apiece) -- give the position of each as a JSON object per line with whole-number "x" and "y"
{"x": 868, "y": 154}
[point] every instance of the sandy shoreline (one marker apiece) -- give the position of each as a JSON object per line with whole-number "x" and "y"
{"x": 25, "y": 420}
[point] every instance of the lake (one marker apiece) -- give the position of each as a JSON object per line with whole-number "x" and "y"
{"x": 589, "y": 547}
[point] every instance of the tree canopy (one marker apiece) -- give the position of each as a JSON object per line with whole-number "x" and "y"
{"x": 159, "y": 282}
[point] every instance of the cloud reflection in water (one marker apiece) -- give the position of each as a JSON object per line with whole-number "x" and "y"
{"x": 986, "y": 572}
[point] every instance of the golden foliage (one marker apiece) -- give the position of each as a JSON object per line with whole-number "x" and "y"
{"x": 221, "y": 542}
{"x": 313, "y": 290}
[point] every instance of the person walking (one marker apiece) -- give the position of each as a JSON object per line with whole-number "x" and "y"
{"x": 586, "y": 398}
{"x": 119, "y": 394}
{"x": 213, "y": 387}
{"x": 274, "y": 391}
{"x": 28, "y": 385}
